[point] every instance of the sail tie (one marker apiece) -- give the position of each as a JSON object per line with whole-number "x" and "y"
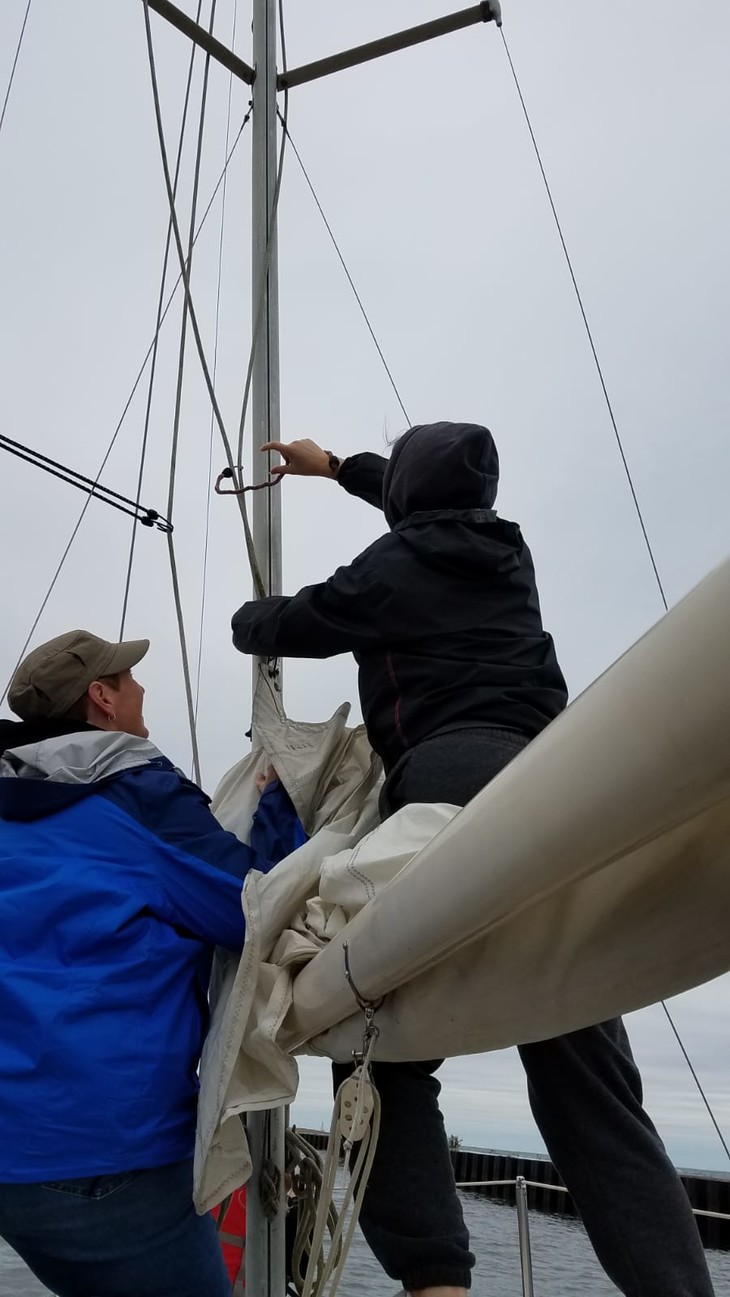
{"x": 228, "y": 473}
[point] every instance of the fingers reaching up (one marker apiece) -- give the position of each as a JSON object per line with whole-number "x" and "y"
{"x": 302, "y": 458}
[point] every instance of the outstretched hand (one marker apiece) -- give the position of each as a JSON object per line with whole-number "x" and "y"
{"x": 303, "y": 458}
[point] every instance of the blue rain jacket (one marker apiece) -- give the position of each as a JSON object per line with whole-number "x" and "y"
{"x": 116, "y": 884}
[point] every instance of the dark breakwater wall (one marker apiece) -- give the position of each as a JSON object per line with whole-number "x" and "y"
{"x": 708, "y": 1191}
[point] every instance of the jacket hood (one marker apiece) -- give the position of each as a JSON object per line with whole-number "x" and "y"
{"x": 43, "y": 775}
{"x": 440, "y": 467}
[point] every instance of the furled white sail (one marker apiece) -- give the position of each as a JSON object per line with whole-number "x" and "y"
{"x": 590, "y": 878}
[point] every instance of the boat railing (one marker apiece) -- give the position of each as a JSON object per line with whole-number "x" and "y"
{"x": 560, "y": 1188}
{"x": 521, "y": 1185}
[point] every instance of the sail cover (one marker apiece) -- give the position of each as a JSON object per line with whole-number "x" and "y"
{"x": 590, "y": 878}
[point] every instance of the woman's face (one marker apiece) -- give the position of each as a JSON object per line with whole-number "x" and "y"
{"x": 128, "y": 701}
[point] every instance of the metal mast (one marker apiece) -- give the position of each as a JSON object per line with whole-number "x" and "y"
{"x": 265, "y": 1250}
{"x": 265, "y": 403}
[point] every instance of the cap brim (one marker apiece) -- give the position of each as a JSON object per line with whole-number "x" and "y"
{"x": 126, "y": 655}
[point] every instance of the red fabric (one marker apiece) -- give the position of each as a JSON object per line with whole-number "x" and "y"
{"x": 234, "y": 1223}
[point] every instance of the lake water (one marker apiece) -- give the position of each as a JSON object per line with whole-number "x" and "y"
{"x": 563, "y": 1261}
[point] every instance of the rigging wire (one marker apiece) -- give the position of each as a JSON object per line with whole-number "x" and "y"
{"x": 178, "y": 407}
{"x": 184, "y": 654}
{"x": 697, "y": 1081}
{"x": 15, "y": 64}
{"x": 629, "y": 478}
{"x": 253, "y": 561}
{"x": 209, "y": 494}
{"x": 588, "y": 330}
{"x": 189, "y": 264}
{"x": 155, "y": 344}
{"x": 47, "y": 596}
{"x": 350, "y": 281}
{"x": 122, "y": 417}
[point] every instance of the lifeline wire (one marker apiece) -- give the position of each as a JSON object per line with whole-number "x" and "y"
{"x": 343, "y": 263}
{"x": 153, "y": 364}
{"x": 122, "y": 417}
{"x": 253, "y": 561}
{"x": 15, "y": 64}
{"x": 629, "y": 479}
{"x": 589, "y": 334}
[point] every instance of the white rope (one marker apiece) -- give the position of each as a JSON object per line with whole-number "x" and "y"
{"x": 304, "y": 1168}
{"x": 355, "y": 1119}
{"x": 318, "y": 1277}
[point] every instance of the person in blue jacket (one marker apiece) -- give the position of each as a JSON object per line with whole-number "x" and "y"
{"x": 116, "y": 885}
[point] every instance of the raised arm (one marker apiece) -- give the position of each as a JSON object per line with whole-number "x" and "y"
{"x": 360, "y": 475}
{"x": 349, "y": 613}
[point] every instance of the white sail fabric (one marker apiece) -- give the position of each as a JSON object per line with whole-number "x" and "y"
{"x": 333, "y": 778}
{"x": 591, "y": 877}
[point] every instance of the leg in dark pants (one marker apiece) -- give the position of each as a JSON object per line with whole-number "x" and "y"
{"x": 411, "y": 1216}
{"x": 585, "y": 1093}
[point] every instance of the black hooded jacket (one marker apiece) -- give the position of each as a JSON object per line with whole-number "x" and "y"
{"x": 441, "y": 614}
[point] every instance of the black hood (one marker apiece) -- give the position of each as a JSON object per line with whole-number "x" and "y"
{"x": 445, "y": 467}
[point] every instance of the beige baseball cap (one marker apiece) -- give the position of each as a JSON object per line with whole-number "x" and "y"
{"x": 55, "y": 675}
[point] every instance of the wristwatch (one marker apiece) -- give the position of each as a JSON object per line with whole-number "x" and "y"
{"x": 334, "y": 462}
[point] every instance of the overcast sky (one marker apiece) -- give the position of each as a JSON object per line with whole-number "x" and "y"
{"x": 425, "y": 170}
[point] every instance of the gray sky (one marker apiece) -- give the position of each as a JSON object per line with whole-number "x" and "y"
{"x": 425, "y": 170}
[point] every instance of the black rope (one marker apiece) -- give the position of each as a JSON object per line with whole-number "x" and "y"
{"x": 147, "y": 517}
{"x": 15, "y": 64}
{"x": 589, "y": 334}
{"x": 350, "y": 280}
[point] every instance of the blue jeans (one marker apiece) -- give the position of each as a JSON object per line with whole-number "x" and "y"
{"x": 133, "y": 1234}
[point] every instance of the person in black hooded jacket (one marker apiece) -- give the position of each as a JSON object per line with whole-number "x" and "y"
{"x": 456, "y": 676}
{"x": 441, "y": 613}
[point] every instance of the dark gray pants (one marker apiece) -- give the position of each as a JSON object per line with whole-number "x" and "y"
{"x": 585, "y": 1094}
